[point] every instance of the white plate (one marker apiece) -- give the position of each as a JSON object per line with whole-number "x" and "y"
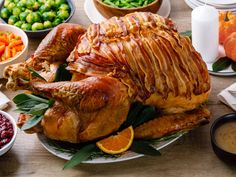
{"x": 95, "y": 17}
{"x": 194, "y": 3}
{"x": 226, "y": 72}
{"x": 220, "y": 2}
{"x": 126, "y": 156}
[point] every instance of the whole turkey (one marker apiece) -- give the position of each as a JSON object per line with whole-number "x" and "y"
{"x": 136, "y": 58}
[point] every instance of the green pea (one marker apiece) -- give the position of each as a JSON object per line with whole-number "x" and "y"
{"x": 56, "y": 22}
{"x": 28, "y": 10}
{"x": 5, "y": 13}
{"x": 10, "y": 6}
{"x": 16, "y": 11}
{"x": 59, "y": 2}
{"x": 37, "y": 26}
{"x": 12, "y": 20}
{"x": 26, "y": 26}
{"x": 47, "y": 24}
{"x": 64, "y": 7}
{"x": 18, "y": 24}
{"x": 63, "y": 14}
{"x": 30, "y": 18}
{"x": 16, "y": 1}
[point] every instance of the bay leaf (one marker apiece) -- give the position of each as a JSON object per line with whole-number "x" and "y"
{"x": 221, "y": 64}
{"x": 31, "y": 122}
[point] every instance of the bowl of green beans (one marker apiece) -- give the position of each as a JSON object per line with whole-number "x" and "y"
{"x": 110, "y": 8}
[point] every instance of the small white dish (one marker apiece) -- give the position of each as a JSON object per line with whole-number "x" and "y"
{"x": 8, "y": 146}
{"x": 22, "y": 55}
{"x": 95, "y": 17}
{"x": 220, "y": 2}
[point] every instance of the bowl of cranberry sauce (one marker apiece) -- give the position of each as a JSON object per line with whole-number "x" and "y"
{"x": 8, "y": 131}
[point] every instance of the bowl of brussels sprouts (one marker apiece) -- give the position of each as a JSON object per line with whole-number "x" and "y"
{"x": 110, "y": 8}
{"x": 36, "y": 17}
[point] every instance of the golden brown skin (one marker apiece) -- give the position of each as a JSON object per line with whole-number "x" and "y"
{"x": 138, "y": 57}
{"x": 143, "y": 50}
{"x": 51, "y": 52}
{"x": 168, "y": 124}
{"x": 92, "y": 108}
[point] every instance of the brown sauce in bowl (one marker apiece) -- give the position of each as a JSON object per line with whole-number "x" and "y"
{"x": 225, "y": 137}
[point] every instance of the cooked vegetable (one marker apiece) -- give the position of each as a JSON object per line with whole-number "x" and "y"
{"x": 35, "y": 14}
{"x": 10, "y": 45}
{"x": 127, "y": 3}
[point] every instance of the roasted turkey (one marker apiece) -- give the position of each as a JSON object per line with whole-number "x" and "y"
{"x": 136, "y": 58}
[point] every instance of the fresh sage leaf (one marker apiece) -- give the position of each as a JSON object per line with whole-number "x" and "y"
{"x": 187, "y": 33}
{"x": 27, "y": 104}
{"x": 31, "y": 122}
{"x": 36, "y": 74}
{"x": 20, "y": 98}
{"x": 233, "y": 66}
{"x": 62, "y": 74}
{"x": 39, "y": 109}
{"x": 135, "y": 110}
{"x": 83, "y": 154}
{"x": 147, "y": 114}
{"x": 143, "y": 147}
{"x": 221, "y": 64}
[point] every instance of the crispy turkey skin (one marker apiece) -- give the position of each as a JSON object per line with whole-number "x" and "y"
{"x": 136, "y": 58}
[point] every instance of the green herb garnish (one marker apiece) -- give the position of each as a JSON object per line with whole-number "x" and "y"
{"x": 32, "y": 105}
{"x": 221, "y": 64}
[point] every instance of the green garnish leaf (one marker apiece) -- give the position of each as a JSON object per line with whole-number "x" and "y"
{"x": 20, "y": 98}
{"x": 233, "y": 66}
{"x": 83, "y": 154}
{"x": 143, "y": 147}
{"x": 36, "y": 74}
{"x": 221, "y": 64}
{"x": 187, "y": 33}
{"x": 62, "y": 74}
{"x": 31, "y": 122}
{"x": 39, "y": 109}
{"x": 139, "y": 114}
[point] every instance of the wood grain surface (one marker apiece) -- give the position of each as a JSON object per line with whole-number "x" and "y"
{"x": 191, "y": 156}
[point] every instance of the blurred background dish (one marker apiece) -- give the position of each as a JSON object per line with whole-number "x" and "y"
{"x": 109, "y": 11}
{"x": 96, "y": 17}
{"x": 220, "y": 5}
{"x": 8, "y": 132}
{"x": 22, "y": 55}
{"x": 36, "y": 17}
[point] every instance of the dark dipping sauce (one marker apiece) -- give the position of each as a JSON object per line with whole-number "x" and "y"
{"x": 6, "y": 131}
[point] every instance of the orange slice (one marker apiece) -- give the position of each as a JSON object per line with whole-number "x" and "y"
{"x": 117, "y": 143}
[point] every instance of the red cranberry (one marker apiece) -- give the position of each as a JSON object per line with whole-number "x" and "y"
{"x": 6, "y": 131}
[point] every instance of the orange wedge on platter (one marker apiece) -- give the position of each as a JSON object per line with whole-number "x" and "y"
{"x": 117, "y": 144}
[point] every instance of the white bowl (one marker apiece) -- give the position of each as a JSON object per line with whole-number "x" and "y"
{"x": 22, "y": 55}
{"x": 8, "y": 146}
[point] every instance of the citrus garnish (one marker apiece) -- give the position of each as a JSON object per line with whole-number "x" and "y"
{"x": 119, "y": 143}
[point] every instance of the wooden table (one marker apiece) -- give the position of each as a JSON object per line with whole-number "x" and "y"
{"x": 191, "y": 156}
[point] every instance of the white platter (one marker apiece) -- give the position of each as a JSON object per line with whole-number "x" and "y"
{"x": 95, "y": 17}
{"x": 100, "y": 160}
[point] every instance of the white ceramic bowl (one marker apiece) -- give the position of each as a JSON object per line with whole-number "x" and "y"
{"x": 22, "y": 55}
{"x": 8, "y": 146}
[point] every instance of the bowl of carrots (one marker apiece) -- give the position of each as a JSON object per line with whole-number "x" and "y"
{"x": 13, "y": 46}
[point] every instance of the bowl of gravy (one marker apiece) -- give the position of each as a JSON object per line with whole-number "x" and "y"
{"x": 223, "y": 138}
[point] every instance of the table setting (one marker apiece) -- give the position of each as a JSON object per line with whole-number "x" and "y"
{"x": 117, "y": 88}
